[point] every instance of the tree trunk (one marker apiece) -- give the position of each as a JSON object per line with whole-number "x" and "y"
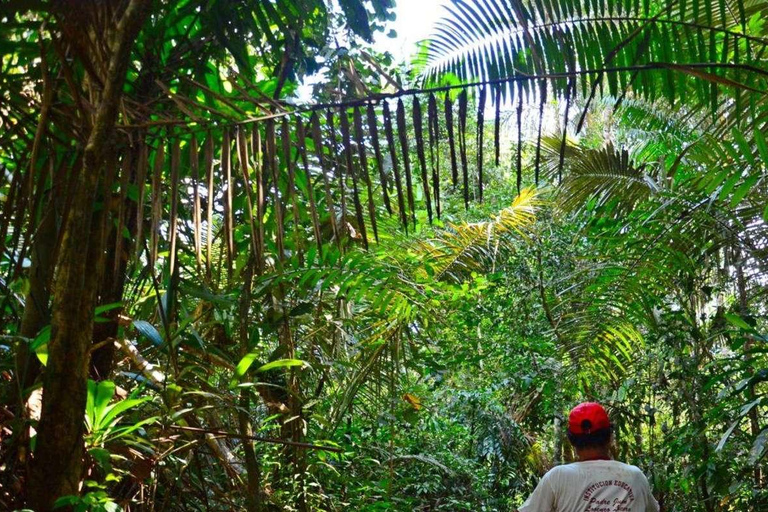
{"x": 37, "y": 314}
{"x": 57, "y": 467}
{"x": 754, "y": 422}
{"x": 253, "y": 468}
{"x": 37, "y": 311}
{"x": 111, "y": 290}
{"x": 558, "y": 449}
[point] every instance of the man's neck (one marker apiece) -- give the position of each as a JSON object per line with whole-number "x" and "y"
{"x": 586, "y": 454}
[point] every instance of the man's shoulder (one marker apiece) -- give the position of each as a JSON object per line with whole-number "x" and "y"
{"x": 633, "y": 470}
{"x": 629, "y": 467}
{"x": 581, "y": 466}
{"x": 561, "y": 469}
{"x": 630, "y": 472}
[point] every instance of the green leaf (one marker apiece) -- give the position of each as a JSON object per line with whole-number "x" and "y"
{"x": 111, "y": 413}
{"x": 282, "y": 363}
{"x": 102, "y": 456}
{"x": 99, "y": 396}
{"x": 148, "y": 331}
{"x": 111, "y": 506}
{"x": 40, "y": 344}
{"x": 245, "y": 363}
{"x": 728, "y": 186}
{"x": 743, "y": 189}
{"x": 758, "y": 448}
{"x": 713, "y": 180}
{"x": 66, "y": 501}
{"x": 746, "y": 151}
{"x": 357, "y": 18}
{"x": 301, "y": 309}
{"x": 762, "y": 147}
{"x": 727, "y": 434}
{"x": 129, "y": 429}
{"x": 751, "y": 405}
{"x": 738, "y": 321}
{"x": 107, "y": 307}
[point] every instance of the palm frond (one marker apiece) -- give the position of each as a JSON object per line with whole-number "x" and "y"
{"x": 599, "y": 176}
{"x": 464, "y": 248}
{"x": 489, "y": 39}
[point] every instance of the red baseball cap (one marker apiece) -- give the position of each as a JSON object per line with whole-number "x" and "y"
{"x": 587, "y": 418}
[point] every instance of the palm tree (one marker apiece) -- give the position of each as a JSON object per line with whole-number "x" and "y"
{"x": 684, "y": 189}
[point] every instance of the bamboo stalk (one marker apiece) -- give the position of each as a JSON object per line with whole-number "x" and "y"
{"x": 211, "y": 197}
{"x": 419, "y": 132}
{"x": 480, "y": 135}
{"x": 277, "y": 206}
{"x": 141, "y": 175}
{"x": 259, "y": 165}
{"x": 363, "y": 159}
{"x": 346, "y": 141}
{"x": 226, "y": 165}
{"x": 497, "y": 125}
{"x": 542, "y": 103}
{"x": 463, "y": 144}
{"x": 293, "y": 196}
{"x": 395, "y": 168}
{"x": 301, "y": 136}
{"x": 373, "y": 131}
{"x": 156, "y": 201}
{"x": 243, "y": 162}
{"x": 172, "y": 228}
{"x": 519, "y": 155}
{"x": 196, "y": 213}
{"x": 338, "y": 171}
{"x": 125, "y": 174}
{"x": 434, "y": 149}
{"x": 451, "y": 140}
{"x": 402, "y": 131}
{"x": 318, "y": 140}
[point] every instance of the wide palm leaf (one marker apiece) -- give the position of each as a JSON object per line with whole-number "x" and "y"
{"x": 677, "y": 50}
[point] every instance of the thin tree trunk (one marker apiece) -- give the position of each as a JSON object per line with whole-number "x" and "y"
{"x": 57, "y": 468}
{"x": 558, "y": 448}
{"x": 252, "y": 466}
{"x": 113, "y": 285}
{"x": 754, "y": 422}
{"x": 37, "y": 314}
{"x": 694, "y": 399}
{"x": 37, "y": 311}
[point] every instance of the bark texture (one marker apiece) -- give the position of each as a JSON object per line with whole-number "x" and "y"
{"x": 37, "y": 311}
{"x": 57, "y": 467}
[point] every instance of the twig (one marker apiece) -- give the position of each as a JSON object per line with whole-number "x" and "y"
{"x": 258, "y": 438}
{"x": 145, "y": 367}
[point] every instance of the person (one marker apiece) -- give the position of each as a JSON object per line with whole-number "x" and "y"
{"x": 596, "y": 482}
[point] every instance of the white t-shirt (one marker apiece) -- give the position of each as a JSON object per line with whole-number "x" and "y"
{"x": 592, "y": 486}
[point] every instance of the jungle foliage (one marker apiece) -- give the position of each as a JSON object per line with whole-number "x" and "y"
{"x": 214, "y": 296}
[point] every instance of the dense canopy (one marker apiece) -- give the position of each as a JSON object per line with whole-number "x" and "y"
{"x": 250, "y": 261}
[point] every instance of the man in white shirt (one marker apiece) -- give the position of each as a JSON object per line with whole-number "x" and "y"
{"x": 595, "y": 483}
